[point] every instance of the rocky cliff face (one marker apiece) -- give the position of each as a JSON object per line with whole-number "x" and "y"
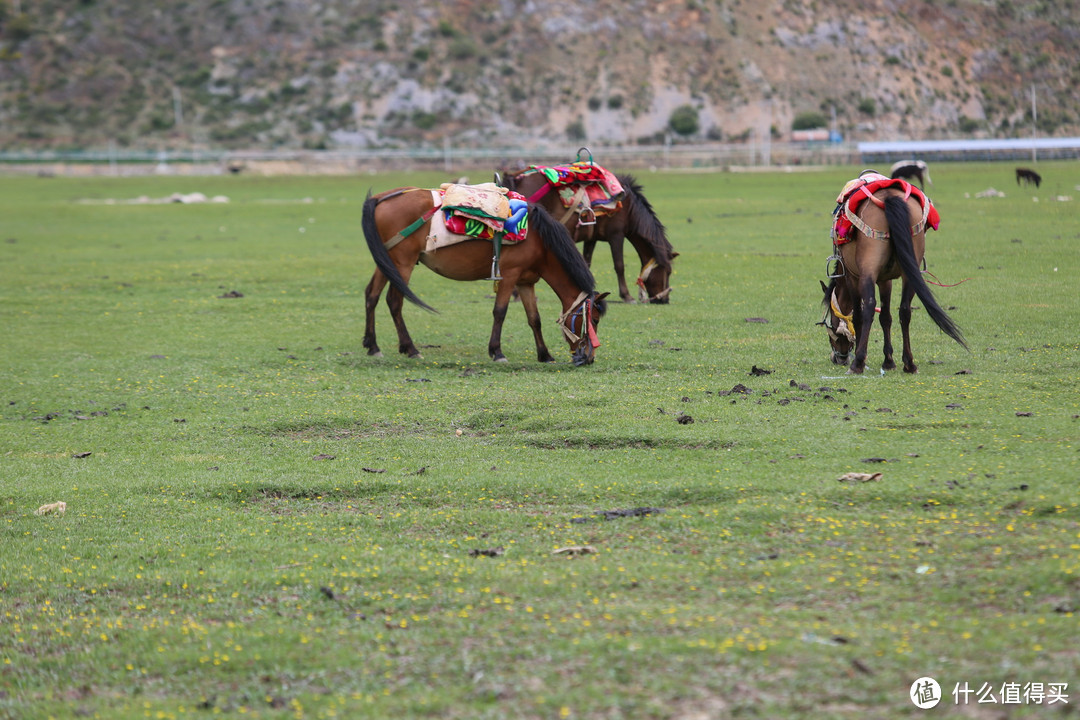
{"x": 374, "y": 73}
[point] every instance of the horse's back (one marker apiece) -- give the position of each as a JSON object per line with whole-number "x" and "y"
{"x": 875, "y": 256}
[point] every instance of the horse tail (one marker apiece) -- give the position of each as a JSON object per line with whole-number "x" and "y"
{"x": 381, "y": 255}
{"x": 899, "y": 219}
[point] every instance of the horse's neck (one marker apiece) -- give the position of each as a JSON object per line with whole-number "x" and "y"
{"x": 641, "y": 244}
{"x": 559, "y": 280}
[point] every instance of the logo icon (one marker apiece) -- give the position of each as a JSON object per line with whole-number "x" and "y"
{"x": 925, "y": 693}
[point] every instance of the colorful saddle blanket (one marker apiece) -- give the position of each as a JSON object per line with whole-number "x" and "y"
{"x": 581, "y": 180}
{"x": 863, "y": 188}
{"x": 484, "y": 212}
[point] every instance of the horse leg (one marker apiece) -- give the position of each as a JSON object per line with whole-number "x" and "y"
{"x": 616, "y": 243}
{"x": 886, "y": 324}
{"x": 527, "y": 293}
{"x": 906, "y": 294}
{"x": 371, "y": 300}
{"x": 864, "y": 319}
{"x": 587, "y": 249}
{"x": 498, "y": 313}
{"x": 395, "y": 300}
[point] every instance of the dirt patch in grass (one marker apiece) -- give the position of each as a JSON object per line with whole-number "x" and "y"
{"x": 624, "y": 443}
{"x": 334, "y": 431}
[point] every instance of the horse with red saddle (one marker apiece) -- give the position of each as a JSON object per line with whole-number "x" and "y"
{"x": 879, "y": 235}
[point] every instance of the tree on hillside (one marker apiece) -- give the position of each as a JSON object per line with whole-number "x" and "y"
{"x": 808, "y": 121}
{"x": 684, "y": 120}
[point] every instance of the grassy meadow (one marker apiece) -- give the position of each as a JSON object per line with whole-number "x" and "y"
{"x": 262, "y": 521}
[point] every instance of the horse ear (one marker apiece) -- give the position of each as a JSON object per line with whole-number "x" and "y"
{"x": 674, "y": 255}
{"x": 824, "y": 288}
{"x": 601, "y": 296}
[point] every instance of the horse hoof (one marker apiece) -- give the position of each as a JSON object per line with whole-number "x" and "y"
{"x": 377, "y": 353}
{"x": 501, "y": 359}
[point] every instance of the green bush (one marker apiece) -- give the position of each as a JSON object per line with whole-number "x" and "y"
{"x": 19, "y": 28}
{"x": 808, "y": 121}
{"x": 684, "y": 120}
{"x": 575, "y": 130}
{"x": 462, "y": 49}
{"x": 969, "y": 125}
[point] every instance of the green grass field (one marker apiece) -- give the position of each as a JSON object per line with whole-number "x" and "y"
{"x": 262, "y": 521}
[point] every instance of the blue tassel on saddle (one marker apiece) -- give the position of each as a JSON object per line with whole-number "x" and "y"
{"x": 518, "y": 210}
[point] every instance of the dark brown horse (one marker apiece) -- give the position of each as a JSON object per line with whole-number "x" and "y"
{"x": 889, "y": 244}
{"x": 635, "y": 220}
{"x": 546, "y": 253}
{"x": 1029, "y": 176}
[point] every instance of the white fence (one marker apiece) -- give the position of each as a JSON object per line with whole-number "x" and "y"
{"x": 710, "y": 157}
{"x": 704, "y": 157}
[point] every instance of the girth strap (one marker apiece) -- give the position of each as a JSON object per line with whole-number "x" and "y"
{"x": 411, "y": 228}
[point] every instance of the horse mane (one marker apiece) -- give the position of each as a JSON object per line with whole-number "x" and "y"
{"x": 642, "y": 218}
{"x": 557, "y": 240}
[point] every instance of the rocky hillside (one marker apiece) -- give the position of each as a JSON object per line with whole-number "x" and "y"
{"x": 380, "y": 73}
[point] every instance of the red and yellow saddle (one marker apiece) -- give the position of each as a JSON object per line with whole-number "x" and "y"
{"x": 862, "y": 188}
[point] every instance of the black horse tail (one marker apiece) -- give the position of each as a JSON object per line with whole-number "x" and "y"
{"x": 382, "y": 256}
{"x": 899, "y": 219}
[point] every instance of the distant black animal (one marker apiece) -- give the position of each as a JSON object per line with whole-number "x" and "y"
{"x": 1028, "y": 175}
{"x": 911, "y": 170}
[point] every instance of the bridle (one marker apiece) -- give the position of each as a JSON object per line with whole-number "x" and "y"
{"x": 844, "y": 328}
{"x": 583, "y": 306}
{"x": 643, "y": 294}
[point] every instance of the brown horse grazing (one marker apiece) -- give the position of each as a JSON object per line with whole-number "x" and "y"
{"x": 635, "y": 220}
{"x": 547, "y": 253}
{"x": 1029, "y": 176}
{"x": 888, "y": 245}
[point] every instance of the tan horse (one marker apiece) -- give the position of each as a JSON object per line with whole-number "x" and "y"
{"x": 889, "y": 241}
{"x": 396, "y": 225}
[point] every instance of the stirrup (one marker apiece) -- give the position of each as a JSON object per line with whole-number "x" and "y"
{"x": 496, "y": 250}
{"x": 590, "y": 214}
{"x": 839, "y": 269}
